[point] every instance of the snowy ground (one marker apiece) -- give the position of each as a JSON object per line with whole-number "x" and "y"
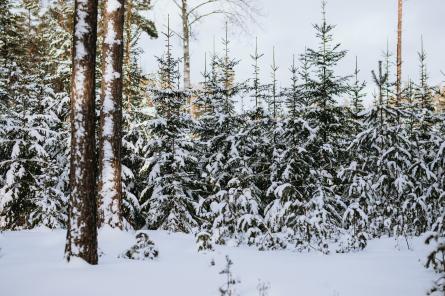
{"x": 31, "y": 264}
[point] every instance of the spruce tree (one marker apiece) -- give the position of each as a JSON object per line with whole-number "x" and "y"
{"x": 170, "y": 162}
{"x": 233, "y": 205}
{"x": 259, "y": 126}
{"x": 216, "y": 125}
{"x": 352, "y": 184}
{"x": 357, "y": 94}
{"x": 381, "y": 173}
{"x": 423, "y": 97}
{"x": 137, "y": 112}
{"x": 58, "y": 29}
{"x": 52, "y": 197}
{"x": 421, "y": 132}
{"x": 291, "y": 164}
{"x": 12, "y": 28}
{"x": 294, "y": 96}
{"x": 34, "y": 183}
{"x": 325, "y": 86}
{"x": 322, "y": 88}
{"x": 284, "y": 214}
{"x": 274, "y": 95}
{"x": 257, "y": 88}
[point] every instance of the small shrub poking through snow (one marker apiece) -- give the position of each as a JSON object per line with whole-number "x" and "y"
{"x": 271, "y": 241}
{"x": 351, "y": 243}
{"x": 204, "y": 241}
{"x": 436, "y": 261}
{"x": 228, "y": 288}
{"x": 144, "y": 249}
{"x": 263, "y": 288}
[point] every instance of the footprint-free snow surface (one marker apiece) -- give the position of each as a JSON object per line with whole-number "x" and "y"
{"x": 32, "y": 264}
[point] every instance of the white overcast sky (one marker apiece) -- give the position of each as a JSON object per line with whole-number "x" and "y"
{"x": 363, "y": 27}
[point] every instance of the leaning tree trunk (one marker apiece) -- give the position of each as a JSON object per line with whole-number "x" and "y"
{"x": 110, "y": 131}
{"x": 82, "y": 228}
{"x": 399, "y": 50}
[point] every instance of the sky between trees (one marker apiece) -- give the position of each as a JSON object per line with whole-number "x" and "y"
{"x": 363, "y": 27}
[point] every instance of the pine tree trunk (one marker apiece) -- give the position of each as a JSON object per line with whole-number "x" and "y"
{"x": 399, "y": 50}
{"x": 110, "y": 130}
{"x": 128, "y": 37}
{"x": 82, "y": 228}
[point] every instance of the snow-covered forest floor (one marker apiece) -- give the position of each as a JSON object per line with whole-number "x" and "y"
{"x": 31, "y": 263}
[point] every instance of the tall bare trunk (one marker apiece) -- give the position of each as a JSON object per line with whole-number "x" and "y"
{"x": 186, "y": 53}
{"x": 399, "y": 50}
{"x": 110, "y": 132}
{"x": 82, "y": 228}
{"x": 186, "y": 43}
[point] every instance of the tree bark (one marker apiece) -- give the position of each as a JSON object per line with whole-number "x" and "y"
{"x": 127, "y": 51}
{"x": 186, "y": 43}
{"x": 186, "y": 53}
{"x": 82, "y": 229}
{"x": 110, "y": 130}
{"x": 399, "y": 51}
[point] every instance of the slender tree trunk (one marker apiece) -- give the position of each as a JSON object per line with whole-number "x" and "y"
{"x": 186, "y": 43}
{"x": 110, "y": 133}
{"x": 128, "y": 37}
{"x": 82, "y": 229}
{"x": 399, "y": 51}
{"x": 274, "y": 84}
{"x": 186, "y": 50}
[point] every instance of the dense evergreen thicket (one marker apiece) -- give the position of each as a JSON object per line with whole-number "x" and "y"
{"x": 297, "y": 170}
